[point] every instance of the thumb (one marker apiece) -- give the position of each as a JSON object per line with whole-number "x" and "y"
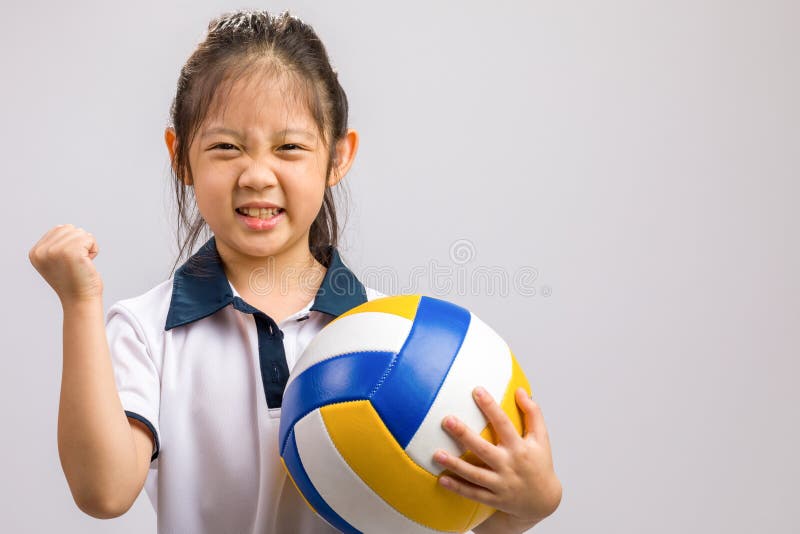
{"x": 91, "y": 246}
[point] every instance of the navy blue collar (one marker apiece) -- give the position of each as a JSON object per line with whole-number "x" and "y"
{"x": 200, "y": 288}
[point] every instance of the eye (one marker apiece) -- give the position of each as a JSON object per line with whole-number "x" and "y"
{"x": 290, "y": 147}
{"x": 223, "y": 146}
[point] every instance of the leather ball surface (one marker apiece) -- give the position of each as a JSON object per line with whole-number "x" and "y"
{"x": 362, "y": 413}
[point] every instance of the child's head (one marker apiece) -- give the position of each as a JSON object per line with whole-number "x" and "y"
{"x": 259, "y": 74}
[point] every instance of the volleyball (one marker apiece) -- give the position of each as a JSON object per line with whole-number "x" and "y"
{"x": 362, "y": 413}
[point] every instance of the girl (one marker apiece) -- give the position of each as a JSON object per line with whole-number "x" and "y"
{"x": 179, "y": 391}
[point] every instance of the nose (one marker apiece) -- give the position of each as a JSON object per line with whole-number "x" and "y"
{"x": 259, "y": 174}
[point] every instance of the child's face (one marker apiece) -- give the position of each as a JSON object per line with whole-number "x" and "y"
{"x": 272, "y": 154}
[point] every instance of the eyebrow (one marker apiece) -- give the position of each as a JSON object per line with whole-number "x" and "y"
{"x": 234, "y": 133}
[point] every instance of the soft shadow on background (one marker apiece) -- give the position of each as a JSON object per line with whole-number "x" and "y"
{"x": 636, "y": 161}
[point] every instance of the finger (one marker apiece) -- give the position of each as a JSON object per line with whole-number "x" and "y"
{"x": 64, "y": 236}
{"x": 52, "y": 235}
{"x": 42, "y": 247}
{"x": 468, "y": 490}
{"x": 534, "y": 420}
{"x": 60, "y": 229}
{"x": 93, "y": 247}
{"x": 502, "y": 425}
{"x": 480, "y": 476}
{"x": 78, "y": 241}
{"x": 472, "y": 441}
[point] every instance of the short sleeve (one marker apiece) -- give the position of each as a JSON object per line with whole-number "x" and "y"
{"x": 135, "y": 374}
{"x": 373, "y": 293}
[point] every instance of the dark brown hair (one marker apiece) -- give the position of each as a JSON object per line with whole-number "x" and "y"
{"x": 247, "y": 42}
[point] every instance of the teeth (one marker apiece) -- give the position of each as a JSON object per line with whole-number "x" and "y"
{"x": 261, "y": 213}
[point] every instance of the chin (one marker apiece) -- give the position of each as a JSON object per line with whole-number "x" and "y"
{"x": 262, "y": 251}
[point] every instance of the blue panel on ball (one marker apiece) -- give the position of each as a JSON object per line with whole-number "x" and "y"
{"x": 342, "y": 378}
{"x": 292, "y": 460}
{"x": 409, "y": 388}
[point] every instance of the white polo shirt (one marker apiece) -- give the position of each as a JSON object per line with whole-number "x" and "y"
{"x": 205, "y": 372}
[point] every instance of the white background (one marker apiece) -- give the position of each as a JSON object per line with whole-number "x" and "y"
{"x": 641, "y": 156}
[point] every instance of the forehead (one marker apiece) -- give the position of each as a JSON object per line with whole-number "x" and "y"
{"x": 264, "y": 97}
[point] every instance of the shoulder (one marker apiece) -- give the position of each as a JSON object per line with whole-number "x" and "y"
{"x": 146, "y": 312}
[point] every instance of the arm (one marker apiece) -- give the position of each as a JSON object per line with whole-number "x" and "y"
{"x": 104, "y": 456}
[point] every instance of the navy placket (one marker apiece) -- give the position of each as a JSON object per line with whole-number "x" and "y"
{"x": 200, "y": 288}
{"x": 271, "y": 353}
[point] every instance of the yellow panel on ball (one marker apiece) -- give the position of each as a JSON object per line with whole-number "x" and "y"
{"x": 402, "y": 305}
{"x": 369, "y": 448}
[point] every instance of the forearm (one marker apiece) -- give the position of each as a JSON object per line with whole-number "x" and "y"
{"x": 95, "y": 441}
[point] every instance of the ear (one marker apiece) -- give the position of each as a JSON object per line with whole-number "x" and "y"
{"x": 171, "y": 140}
{"x": 346, "y": 150}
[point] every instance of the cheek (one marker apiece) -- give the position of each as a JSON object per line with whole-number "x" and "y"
{"x": 210, "y": 197}
{"x": 206, "y": 208}
{"x": 318, "y": 194}
{"x": 304, "y": 190}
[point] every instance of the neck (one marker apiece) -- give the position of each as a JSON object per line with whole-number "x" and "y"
{"x": 294, "y": 273}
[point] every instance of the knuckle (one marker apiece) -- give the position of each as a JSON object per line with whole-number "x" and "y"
{"x": 457, "y": 485}
{"x": 454, "y": 467}
{"x": 524, "y": 453}
{"x": 53, "y": 253}
{"x": 481, "y": 447}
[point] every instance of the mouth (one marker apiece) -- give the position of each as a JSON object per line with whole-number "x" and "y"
{"x": 260, "y": 213}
